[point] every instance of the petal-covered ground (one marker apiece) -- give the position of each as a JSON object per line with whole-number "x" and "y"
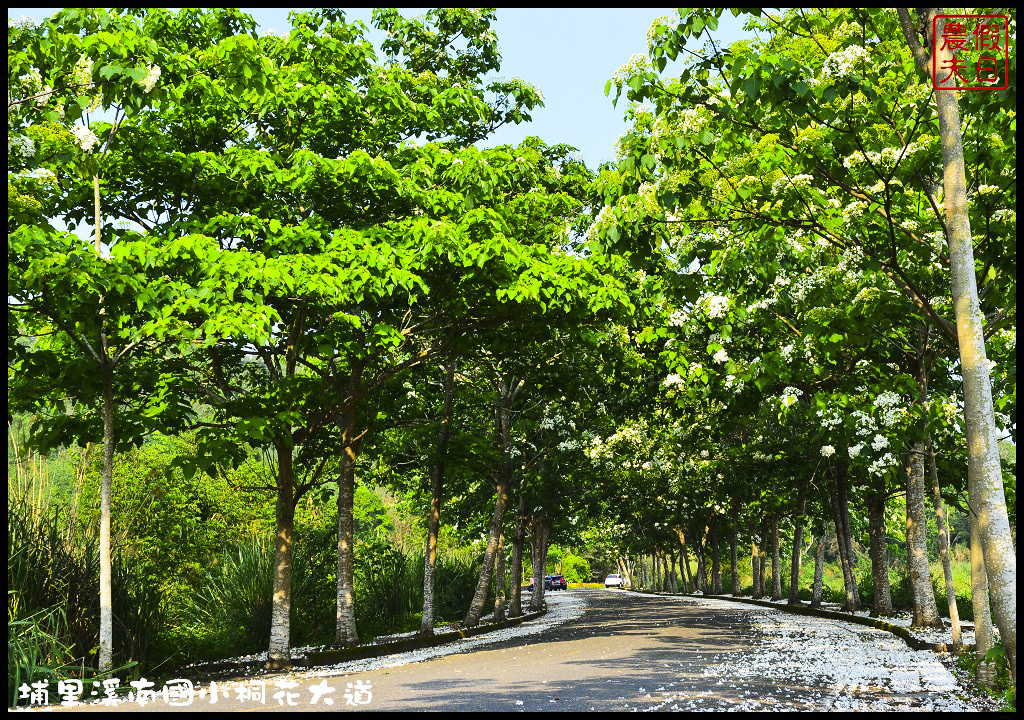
{"x": 847, "y": 666}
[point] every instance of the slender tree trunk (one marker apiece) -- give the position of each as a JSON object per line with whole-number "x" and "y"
{"x": 776, "y": 560}
{"x": 279, "y": 655}
{"x": 345, "y": 629}
{"x": 844, "y": 560}
{"x": 516, "y": 603}
{"x": 947, "y": 569}
{"x": 540, "y": 526}
{"x": 483, "y": 584}
{"x": 755, "y": 570}
{"x": 673, "y": 578}
{"x": 734, "y": 556}
{"x": 499, "y": 579}
{"x": 716, "y": 562}
{"x": 684, "y": 562}
{"x": 702, "y": 585}
{"x": 106, "y": 651}
{"x": 819, "y": 567}
{"x": 879, "y": 552}
{"x": 926, "y": 612}
{"x": 984, "y": 469}
{"x": 436, "y": 484}
{"x": 798, "y": 536}
{"x": 625, "y": 571}
{"x": 105, "y": 657}
{"x": 844, "y": 539}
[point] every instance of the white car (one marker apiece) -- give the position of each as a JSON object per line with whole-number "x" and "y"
{"x": 614, "y": 580}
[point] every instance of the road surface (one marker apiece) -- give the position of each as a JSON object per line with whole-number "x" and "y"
{"x": 620, "y": 651}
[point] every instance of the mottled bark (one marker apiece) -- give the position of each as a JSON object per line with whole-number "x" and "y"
{"x": 755, "y": 570}
{"x": 735, "y": 540}
{"x": 436, "y": 485}
{"x": 925, "y": 610}
{"x": 776, "y": 560}
{"x": 798, "y": 535}
{"x": 819, "y": 567}
{"x": 106, "y": 650}
{"x": 844, "y": 540}
{"x": 716, "y": 562}
{"x": 516, "y": 603}
{"x": 684, "y": 561}
{"x": 540, "y": 527}
{"x": 673, "y": 582}
{"x": 947, "y": 568}
{"x": 879, "y": 552}
{"x": 499, "y": 579}
{"x": 279, "y": 655}
{"x": 984, "y": 636}
{"x": 345, "y": 601}
{"x": 483, "y": 585}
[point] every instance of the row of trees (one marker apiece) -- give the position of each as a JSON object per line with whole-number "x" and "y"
{"x": 806, "y": 193}
{"x": 297, "y": 249}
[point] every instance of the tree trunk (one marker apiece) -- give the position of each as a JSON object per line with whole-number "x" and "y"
{"x": 279, "y": 655}
{"x": 436, "y": 484}
{"x": 984, "y": 637}
{"x": 499, "y": 579}
{"x": 845, "y": 540}
{"x": 672, "y": 577}
{"x": 702, "y": 584}
{"x": 926, "y": 612}
{"x": 735, "y": 539}
{"x": 516, "y": 603}
{"x": 345, "y": 629}
{"x": 483, "y": 585}
{"x": 540, "y": 527}
{"x": 984, "y": 470}
{"x": 819, "y": 567}
{"x": 879, "y": 552}
{"x": 947, "y": 569}
{"x": 716, "y": 562}
{"x": 798, "y": 536}
{"x": 755, "y": 570}
{"x": 776, "y": 560}
{"x": 106, "y": 651}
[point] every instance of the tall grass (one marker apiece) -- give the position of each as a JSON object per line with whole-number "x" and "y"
{"x": 230, "y": 614}
{"x": 53, "y": 587}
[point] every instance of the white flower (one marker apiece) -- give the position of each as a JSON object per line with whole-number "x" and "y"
{"x": 671, "y": 380}
{"x": 827, "y": 451}
{"x": 637, "y": 63}
{"x": 718, "y": 305}
{"x": 879, "y": 442}
{"x": 844, "y": 62}
{"x": 20, "y": 145}
{"x": 677, "y": 318}
{"x": 82, "y": 74}
{"x": 855, "y": 450}
{"x": 86, "y": 137}
{"x": 721, "y": 356}
{"x": 32, "y": 81}
{"x": 149, "y": 82}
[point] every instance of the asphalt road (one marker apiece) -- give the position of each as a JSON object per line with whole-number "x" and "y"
{"x": 625, "y": 652}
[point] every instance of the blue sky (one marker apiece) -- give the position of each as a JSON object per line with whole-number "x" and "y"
{"x": 568, "y": 54}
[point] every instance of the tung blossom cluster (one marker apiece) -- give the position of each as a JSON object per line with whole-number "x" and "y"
{"x": 718, "y": 306}
{"x": 85, "y": 136}
{"x": 152, "y": 75}
{"x": 844, "y": 63}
